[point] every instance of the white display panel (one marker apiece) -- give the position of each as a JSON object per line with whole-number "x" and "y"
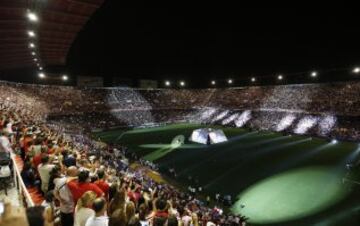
{"x": 199, "y": 136}
{"x": 217, "y": 136}
{"x": 202, "y": 135}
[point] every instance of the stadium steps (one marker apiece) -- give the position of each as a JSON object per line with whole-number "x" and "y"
{"x": 36, "y": 196}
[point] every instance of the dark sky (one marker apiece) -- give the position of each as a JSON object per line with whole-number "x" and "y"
{"x": 198, "y": 43}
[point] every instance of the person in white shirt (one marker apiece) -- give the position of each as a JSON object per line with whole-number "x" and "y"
{"x": 100, "y": 218}
{"x": 5, "y": 145}
{"x": 63, "y": 194}
{"x": 44, "y": 170}
{"x": 83, "y": 210}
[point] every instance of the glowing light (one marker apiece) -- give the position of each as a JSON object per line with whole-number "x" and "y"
{"x": 32, "y": 17}
{"x": 356, "y": 70}
{"x": 213, "y": 82}
{"x": 314, "y": 74}
{"x": 334, "y": 141}
{"x": 32, "y": 45}
{"x": 41, "y": 75}
{"x": 326, "y": 124}
{"x": 33, "y": 53}
{"x": 280, "y": 77}
{"x": 167, "y": 83}
{"x": 243, "y": 118}
{"x": 31, "y": 33}
{"x": 221, "y": 116}
{"x": 253, "y": 79}
{"x": 285, "y": 122}
{"x": 118, "y": 101}
{"x": 182, "y": 83}
{"x": 65, "y": 77}
{"x": 230, "y": 119}
{"x": 305, "y": 124}
{"x": 40, "y": 68}
{"x": 35, "y": 59}
{"x": 208, "y": 113}
{"x": 230, "y": 81}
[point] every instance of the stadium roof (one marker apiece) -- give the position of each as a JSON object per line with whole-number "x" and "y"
{"x": 58, "y": 24}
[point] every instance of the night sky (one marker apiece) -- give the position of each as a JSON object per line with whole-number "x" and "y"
{"x": 200, "y": 43}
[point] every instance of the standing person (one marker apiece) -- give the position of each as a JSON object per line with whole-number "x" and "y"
{"x": 5, "y": 145}
{"x": 102, "y": 184}
{"x": 44, "y": 170}
{"x": 63, "y": 194}
{"x": 82, "y": 184}
{"x": 28, "y": 174}
{"x": 100, "y": 218}
{"x": 83, "y": 209}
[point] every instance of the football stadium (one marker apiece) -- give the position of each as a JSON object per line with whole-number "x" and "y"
{"x": 137, "y": 116}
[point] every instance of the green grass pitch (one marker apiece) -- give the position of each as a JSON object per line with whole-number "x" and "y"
{"x": 275, "y": 179}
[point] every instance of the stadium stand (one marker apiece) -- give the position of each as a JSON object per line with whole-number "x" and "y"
{"x": 44, "y": 128}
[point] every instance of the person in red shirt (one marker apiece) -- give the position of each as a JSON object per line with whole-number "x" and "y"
{"x": 102, "y": 184}
{"x": 81, "y": 185}
{"x": 27, "y": 142}
{"x": 36, "y": 160}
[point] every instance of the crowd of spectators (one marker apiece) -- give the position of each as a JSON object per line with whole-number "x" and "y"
{"x": 85, "y": 183}
{"x": 89, "y": 107}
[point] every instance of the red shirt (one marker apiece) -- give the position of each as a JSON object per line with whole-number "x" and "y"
{"x": 103, "y": 186}
{"x": 160, "y": 213}
{"x": 78, "y": 189}
{"x": 27, "y": 143}
{"x": 37, "y": 160}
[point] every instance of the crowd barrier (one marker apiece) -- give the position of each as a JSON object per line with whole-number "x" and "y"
{"x": 24, "y": 196}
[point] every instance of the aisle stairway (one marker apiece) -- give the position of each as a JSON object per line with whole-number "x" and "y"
{"x": 36, "y": 196}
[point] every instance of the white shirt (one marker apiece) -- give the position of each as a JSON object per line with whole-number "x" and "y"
{"x": 5, "y": 171}
{"x": 186, "y": 220}
{"x": 144, "y": 223}
{"x": 5, "y": 144}
{"x": 44, "y": 172}
{"x": 97, "y": 221}
{"x": 9, "y": 128}
{"x": 35, "y": 149}
{"x": 67, "y": 202}
{"x": 82, "y": 215}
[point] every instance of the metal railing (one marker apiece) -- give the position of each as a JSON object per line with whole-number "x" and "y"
{"x": 24, "y": 196}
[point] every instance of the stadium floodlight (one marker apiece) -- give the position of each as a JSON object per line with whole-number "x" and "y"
{"x": 182, "y": 83}
{"x": 253, "y": 79}
{"x": 243, "y": 118}
{"x": 305, "y": 124}
{"x": 230, "y": 119}
{"x": 167, "y": 83}
{"x": 32, "y": 17}
{"x": 280, "y": 77}
{"x": 230, "y": 81}
{"x": 65, "y": 77}
{"x": 31, "y": 33}
{"x": 356, "y": 70}
{"x": 31, "y": 45}
{"x": 208, "y": 113}
{"x": 326, "y": 124}
{"x": 213, "y": 82}
{"x": 41, "y": 75}
{"x": 285, "y": 122}
{"x": 220, "y": 116}
{"x": 314, "y": 74}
